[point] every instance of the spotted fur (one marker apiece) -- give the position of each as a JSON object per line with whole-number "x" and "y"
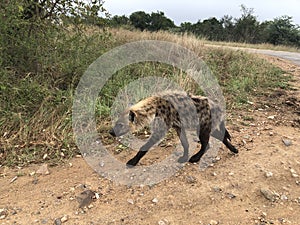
{"x": 173, "y": 110}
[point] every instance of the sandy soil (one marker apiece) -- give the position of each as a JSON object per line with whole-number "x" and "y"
{"x": 260, "y": 185}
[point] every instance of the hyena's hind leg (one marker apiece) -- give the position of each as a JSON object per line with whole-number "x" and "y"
{"x": 226, "y": 138}
{"x": 159, "y": 130}
{"x": 185, "y": 144}
{"x": 204, "y": 140}
{"x": 227, "y": 143}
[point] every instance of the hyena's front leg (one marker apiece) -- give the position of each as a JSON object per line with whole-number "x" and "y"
{"x": 159, "y": 130}
{"x": 185, "y": 144}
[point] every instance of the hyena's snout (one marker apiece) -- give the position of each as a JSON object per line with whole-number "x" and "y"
{"x": 112, "y": 132}
{"x": 119, "y": 129}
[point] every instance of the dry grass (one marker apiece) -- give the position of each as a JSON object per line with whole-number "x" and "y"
{"x": 190, "y": 41}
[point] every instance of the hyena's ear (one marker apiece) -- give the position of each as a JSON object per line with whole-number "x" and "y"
{"x": 132, "y": 116}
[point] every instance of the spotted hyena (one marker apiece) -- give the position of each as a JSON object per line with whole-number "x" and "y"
{"x": 176, "y": 110}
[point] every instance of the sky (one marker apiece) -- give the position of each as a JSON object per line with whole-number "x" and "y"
{"x": 192, "y": 11}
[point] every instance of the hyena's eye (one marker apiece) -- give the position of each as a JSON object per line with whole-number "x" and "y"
{"x": 131, "y": 116}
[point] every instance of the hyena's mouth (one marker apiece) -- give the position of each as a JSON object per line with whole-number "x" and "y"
{"x": 112, "y": 133}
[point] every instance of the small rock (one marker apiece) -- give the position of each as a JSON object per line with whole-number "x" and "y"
{"x": 231, "y": 174}
{"x": 213, "y": 222}
{"x": 3, "y": 213}
{"x": 271, "y": 117}
{"x": 130, "y": 201}
{"x": 14, "y": 179}
{"x": 268, "y": 174}
{"x": 64, "y": 218}
{"x": 57, "y": 221}
{"x": 43, "y": 170}
{"x": 217, "y": 189}
{"x": 283, "y": 197}
{"x": 268, "y": 194}
{"x": 32, "y": 173}
{"x": 247, "y": 136}
{"x": 287, "y": 142}
{"x": 85, "y": 198}
{"x": 45, "y": 156}
{"x": 191, "y": 179}
{"x": 155, "y": 200}
{"x": 230, "y": 195}
{"x": 163, "y": 222}
{"x": 294, "y": 173}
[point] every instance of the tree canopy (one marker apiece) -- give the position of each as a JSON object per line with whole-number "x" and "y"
{"x": 247, "y": 28}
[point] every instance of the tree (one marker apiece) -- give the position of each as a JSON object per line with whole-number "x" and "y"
{"x": 29, "y": 26}
{"x": 212, "y": 29}
{"x": 158, "y": 21}
{"x": 228, "y": 28}
{"x": 282, "y": 31}
{"x": 117, "y": 21}
{"x": 186, "y": 27}
{"x": 140, "y": 20}
{"x": 246, "y": 27}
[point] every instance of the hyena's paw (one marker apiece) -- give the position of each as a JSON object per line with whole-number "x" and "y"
{"x": 183, "y": 159}
{"x": 194, "y": 159}
{"x": 131, "y": 163}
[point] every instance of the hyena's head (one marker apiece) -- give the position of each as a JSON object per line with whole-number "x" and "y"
{"x": 131, "y": 120}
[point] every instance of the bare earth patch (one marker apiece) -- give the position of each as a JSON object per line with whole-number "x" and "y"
{"x": 260, "y": 185}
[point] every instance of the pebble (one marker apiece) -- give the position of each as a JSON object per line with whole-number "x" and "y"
{"x": 14, "y": 179}
{"x": 155, "y": 200}
{"x": 269, "y": 174}
{"x": 43, "y": 170}
{"x": 64, "y": 218}
{"x": 130, "y": 201}
{"x": 230, "y": 195}
{"x": 283, "y": 197}
{"x": 85, "y": 198}
{"x": 163, "y": 222}
{"x": 287, "y": 142}
{"x": 213, "y": 222}
{"x": 271, "y": 117}
{"x": 217, "y": 189}
{"x": 268, "y": 194}
{"x": 57, "y": 221}
{"x": 3, "y": 213}
{"x": 191, "y": 179}
{"x": 294, "y": 173}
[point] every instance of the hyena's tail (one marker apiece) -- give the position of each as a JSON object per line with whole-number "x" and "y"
{"x": 226, "y": 141}
{"x": 227, "y": 135}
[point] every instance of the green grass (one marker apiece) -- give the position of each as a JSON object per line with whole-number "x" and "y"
{"x": 35, "y": 106}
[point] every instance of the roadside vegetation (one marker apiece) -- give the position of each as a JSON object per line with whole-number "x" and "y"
{"x": 246, "y": 29}
{"x": 44, "y": 54}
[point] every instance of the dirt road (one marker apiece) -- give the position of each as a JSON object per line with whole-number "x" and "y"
{"x": 293, "y": 57}
{"x": 260, "y": 185}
